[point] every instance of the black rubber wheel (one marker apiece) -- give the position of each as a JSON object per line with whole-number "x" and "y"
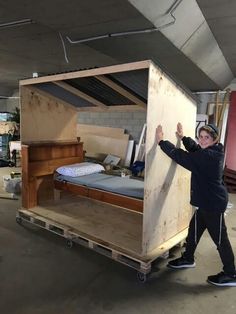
{"x": 19, "y": 220}
{"x": 69, "y": 244}
{"x": 141, "y": 277}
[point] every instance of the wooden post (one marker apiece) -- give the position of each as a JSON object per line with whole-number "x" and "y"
{"x": 29, "y": 186}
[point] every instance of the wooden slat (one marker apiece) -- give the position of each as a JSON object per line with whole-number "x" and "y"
{"x": 99, "y": 71}
{"x": 124, "y": 92}
{"x": 115, "y": 199}
{"x": 118, "y": 108}
{"x": 54, "y": 151}
{"x": 99, "y": 130}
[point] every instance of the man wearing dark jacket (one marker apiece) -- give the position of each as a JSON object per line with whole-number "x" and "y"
{"x": 208, "y": 194}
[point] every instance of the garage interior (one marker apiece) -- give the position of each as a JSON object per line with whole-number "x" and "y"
{"x": 193, "y": 42}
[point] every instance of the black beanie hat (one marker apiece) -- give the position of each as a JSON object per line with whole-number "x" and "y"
{"x": 213, "y": 127}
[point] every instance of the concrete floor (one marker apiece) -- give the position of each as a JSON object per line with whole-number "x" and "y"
{"x": 40, "y": 275}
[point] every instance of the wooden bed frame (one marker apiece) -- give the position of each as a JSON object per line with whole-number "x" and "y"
{"x": 100, "y": 195}
{"x": 40, "y": 162}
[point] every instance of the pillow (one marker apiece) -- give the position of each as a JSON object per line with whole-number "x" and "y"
{"x": 80, "y": 169}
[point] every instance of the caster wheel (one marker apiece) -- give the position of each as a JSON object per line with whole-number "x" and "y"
{"x": 69, "y": 244}
{"x": 141, "y": 277}
{"x": 19, "y": 220}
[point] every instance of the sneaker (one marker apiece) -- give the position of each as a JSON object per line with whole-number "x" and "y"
{"x": 181, "y": 262}
{"x": 222, "y": 280}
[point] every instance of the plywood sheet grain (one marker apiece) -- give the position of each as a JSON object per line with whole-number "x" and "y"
{"x": 167, "y": 185}
{"x": 99, "y": 130}
{"x": 101, "y": 146}
{"x": 44, "y": 119}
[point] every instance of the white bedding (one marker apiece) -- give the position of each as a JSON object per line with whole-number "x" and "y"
{"x": 80, "y": 169}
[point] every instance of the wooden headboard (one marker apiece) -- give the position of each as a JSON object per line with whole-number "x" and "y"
{"x": 41, "y": 159}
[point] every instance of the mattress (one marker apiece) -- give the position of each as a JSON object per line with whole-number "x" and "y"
{"x": 119, "y": 185}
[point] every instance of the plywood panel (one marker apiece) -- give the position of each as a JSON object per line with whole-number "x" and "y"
{"x": 167, "y": 185}
{"x": 44, "y": 119}
{"x": 100, "y": 146}
{"x": 99, "y": 130}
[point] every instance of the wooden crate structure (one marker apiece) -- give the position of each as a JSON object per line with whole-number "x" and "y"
{"x": 49, "y": 109}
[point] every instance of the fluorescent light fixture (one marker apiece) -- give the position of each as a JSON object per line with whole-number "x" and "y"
{"x": 16, "y": 23}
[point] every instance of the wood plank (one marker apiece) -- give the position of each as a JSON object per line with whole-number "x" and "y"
{"x": 29, "y": 184}
{"x": 121, "y": 90}
{"x": 117, "y": 108}
{"x": 99, "y": 130}
{"x": 100, "y": 146}
{"x": 55, "y": 151}
{"x": 105, "y": 222}
{"x": 84, "y": 73}
{"x": 79, "y": 93}
{"x": 115, "y": 199}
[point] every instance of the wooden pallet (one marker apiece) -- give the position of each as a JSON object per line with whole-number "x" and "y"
{"x": 143, "y": 267}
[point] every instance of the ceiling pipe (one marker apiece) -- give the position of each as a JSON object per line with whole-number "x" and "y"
{"x": 210, "y": 92}
{"x": 9, "y": 97}
{"x": 16, "y": 23}
{"x": 142, "y": 31}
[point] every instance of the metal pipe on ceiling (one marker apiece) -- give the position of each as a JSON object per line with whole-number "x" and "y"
{"x": 16, "y": 23}
{"x": 170, "y": 11}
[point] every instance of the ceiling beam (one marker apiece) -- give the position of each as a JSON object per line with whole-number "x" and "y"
{"x": 80, "y": 94}
{"x": 121, "y": 90}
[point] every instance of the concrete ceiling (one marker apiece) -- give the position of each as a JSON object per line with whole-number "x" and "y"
{"x": 195, "y": 46}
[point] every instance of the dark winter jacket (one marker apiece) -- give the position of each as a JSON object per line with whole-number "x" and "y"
{"x": 206, "y": 165}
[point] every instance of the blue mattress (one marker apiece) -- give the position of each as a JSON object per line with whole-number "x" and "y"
{"x": 115, "y": 184}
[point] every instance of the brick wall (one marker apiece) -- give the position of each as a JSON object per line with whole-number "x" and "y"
{"x": 132, "y": 122}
